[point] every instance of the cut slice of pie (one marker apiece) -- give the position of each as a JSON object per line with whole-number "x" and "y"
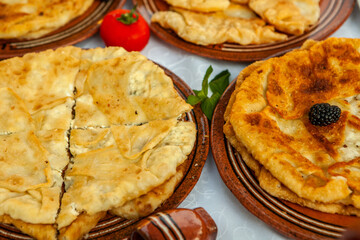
{"x": 129, "y": 89}
{"x": 147, "y": 203}
{"x": 104, "y": 177}
{"x": 44, "y": 79}
{"x": 29, "y": 188}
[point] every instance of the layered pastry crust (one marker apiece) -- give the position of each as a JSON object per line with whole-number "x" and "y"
{"x": 87, "y": 132}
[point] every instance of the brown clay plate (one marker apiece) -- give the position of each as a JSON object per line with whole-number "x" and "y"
{"x": 289, "y": 219}
{"x": 333, "y": 15}
{"x": 112, "y": 227}
{"x": 75, "y": 31}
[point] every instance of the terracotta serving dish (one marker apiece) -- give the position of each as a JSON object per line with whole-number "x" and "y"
{"x": 291, "y": 220}
{"x": 113, "y": 227}
{"x": 333, "y": 15}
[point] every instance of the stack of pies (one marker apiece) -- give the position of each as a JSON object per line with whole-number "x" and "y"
{"x": 267, "y": 122}
{"x": 240, "y": 21}
{"x": 84, "y": 132}
{"x": 28, "y": 19}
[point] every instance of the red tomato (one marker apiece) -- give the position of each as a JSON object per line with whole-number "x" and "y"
{"x": 132, "y": 37}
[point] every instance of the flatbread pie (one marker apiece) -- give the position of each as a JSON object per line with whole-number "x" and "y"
{"x": 243, "y": 22}
{"x": 28, "y": 19}
{"x": 200, "y": 5}
{"x": 86, "y": 132}
{"x": 267, "y": 123}
{"x": 217, "y": 27}
{"x": 289, "y": 16}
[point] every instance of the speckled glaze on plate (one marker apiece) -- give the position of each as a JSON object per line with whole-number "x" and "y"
{"x": 73, "y": 32}
{"x": 289, "y": 219}
{"x": 333, "y": 15}
{"x": 113, "y": 227}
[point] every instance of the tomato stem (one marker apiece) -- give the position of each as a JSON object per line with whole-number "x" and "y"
{"x": 128, "y": 18}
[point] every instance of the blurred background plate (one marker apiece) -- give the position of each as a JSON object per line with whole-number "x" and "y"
{"x": 333, "y": 15}
{"x": 73, "y": 32}
{"x": 291, "y": 220}
{"x": 113, "y": 227}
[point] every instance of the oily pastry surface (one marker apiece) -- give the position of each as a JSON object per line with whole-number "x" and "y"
{"x": 44, "y": 79}
{"x": 27, "y": 19}
{"x": 200, "y": 5}
{"x": 240, "y": 1}
{"x": 29, "y": 172}
{"x": 216, "y": 28}
{"x": 143, "y": 85}
{"x": 289, "y": 16}
{"x": 266, "y": 121}
{"x": 14, "y": 116}
{"x": 78, "y": 128}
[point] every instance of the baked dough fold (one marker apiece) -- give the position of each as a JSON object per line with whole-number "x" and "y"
{"x": 216, "y": 28}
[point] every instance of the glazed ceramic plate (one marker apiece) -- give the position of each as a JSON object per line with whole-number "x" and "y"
{"x": 333, "y": 15}
{"x": 75, "y": 31}
{"x": 290, "y": 219}
{"x": 112, "y": 227}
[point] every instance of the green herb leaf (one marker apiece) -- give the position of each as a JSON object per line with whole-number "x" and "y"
{"x": 208, "y": 106}
{"x": 193, "y": 100}
{"x": 200, "y": 94}
{"x": 217, "y": 85}
{"x": 205, "y": 82}
{"x": 128, "y": 18}
{"x": 220, "y": 82}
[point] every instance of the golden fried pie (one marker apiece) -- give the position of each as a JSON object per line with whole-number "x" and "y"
{"x": 289, "y": 16}
{"x": 293, "y": 157}
{"x": 86, "y": 132}
{"x": 242, "y": 22}
{"x": 217, "y": 27}
{"x": 28, "y": 19}
{"x": 200, "y": 5}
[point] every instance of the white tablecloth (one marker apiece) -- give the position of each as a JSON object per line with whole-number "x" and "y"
{"x": 232, "y": 219}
